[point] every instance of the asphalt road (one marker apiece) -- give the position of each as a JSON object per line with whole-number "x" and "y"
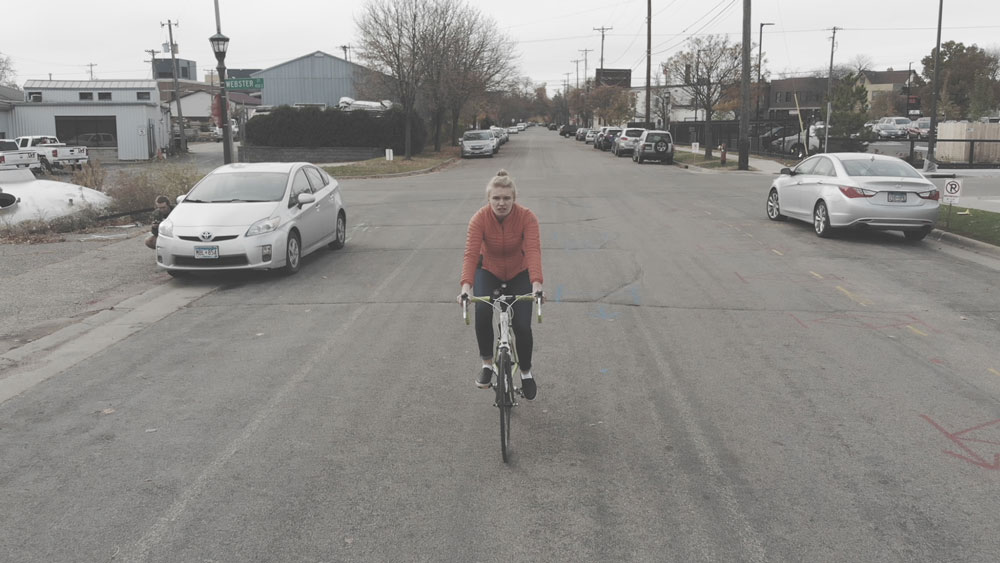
{"x": 713, "y": 386}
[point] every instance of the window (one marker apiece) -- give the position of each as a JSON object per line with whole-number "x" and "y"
{"x": 806, "y": 167}
{"x": 86, "y": 96}
{"x": 89, "y": 130}
{"x": 300, "y": 185}
{"x": 104, "y": 96}
{"x": 142, "y": 96}
{"x": 823, "y": 167}
{"x": 315, "y": 178}
{"x": 34, "y": 96}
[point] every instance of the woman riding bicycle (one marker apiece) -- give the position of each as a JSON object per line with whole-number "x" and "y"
{"x": 503, "y": 246}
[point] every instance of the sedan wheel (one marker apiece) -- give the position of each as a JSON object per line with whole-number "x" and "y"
{"x": 773, "y": 208}
{"x": 293, "y": 254}
{"x": 821, "y": 220}
{"x": 341, "y": 238}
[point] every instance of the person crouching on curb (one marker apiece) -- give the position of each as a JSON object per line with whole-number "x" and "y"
{"x": 163, "y": 208}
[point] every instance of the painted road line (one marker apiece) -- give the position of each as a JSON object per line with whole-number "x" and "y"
{"x": 855, "y": 298}
{"x": 916, "y": 331}
{"x": 994, "y": 372}
{"x": 817, "y": 276}
{"x": 777, "y": 252}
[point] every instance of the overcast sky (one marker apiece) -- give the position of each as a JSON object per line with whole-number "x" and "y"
{"x": 549, "y": 34}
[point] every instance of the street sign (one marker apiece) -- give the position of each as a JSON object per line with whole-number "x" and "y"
{"x": 952, "y": 191}
{"x": 244, "y": 83}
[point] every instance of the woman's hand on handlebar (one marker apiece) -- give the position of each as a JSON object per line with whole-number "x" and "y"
{"x": 465, "y": 292}
{"x": 536, "y": 288}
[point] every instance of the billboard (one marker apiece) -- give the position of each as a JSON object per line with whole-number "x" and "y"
{"x": 614, "y": 77}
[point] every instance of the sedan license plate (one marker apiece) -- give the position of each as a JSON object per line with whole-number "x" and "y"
{"x": 206, "y": 252}
{"x": 897, "y": 197}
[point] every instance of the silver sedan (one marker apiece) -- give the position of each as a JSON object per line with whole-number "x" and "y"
{"x": 855, "y": 190}
{"x": 252, "y": 216}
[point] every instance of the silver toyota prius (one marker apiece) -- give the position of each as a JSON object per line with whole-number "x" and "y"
{"x": 855, "y": 190}
{"x": 253, "y": 216}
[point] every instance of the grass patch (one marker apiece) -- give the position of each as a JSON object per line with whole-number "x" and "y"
{"x": 983, "y": 226}
{"x": 699, "y": 160}
{"x": 380, "y": 166}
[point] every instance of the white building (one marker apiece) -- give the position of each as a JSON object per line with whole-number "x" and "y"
{"x": 73, "y": 110}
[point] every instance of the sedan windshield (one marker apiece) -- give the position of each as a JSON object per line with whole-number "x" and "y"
{"x": 240, "y": 186}
{"x": 476, "y": 136}
{"x": 878, "y": 167}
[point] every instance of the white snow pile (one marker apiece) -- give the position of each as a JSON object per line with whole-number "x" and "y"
{"x": 23, "y": 198}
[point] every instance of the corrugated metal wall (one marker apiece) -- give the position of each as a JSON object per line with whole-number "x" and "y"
{"x": 5, "y": 125}
{"x": 315, "y": 79}
{"x": 132, "y": 122}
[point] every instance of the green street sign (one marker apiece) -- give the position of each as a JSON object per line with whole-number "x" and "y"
{"x": 244, "y": 83}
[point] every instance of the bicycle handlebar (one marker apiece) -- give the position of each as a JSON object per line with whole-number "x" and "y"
{"x": 466, "y": 298}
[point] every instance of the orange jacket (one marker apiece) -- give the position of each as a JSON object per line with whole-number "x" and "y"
{"x": 507, "y": 248}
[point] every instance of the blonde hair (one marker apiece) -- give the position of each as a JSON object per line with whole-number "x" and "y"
{"x": 501, "y": 180}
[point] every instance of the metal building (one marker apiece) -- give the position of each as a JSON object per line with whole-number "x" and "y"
{"x": 116, "y": 119}
{"x": 316, "y": 79}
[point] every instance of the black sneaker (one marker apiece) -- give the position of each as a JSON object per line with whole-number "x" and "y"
{"x": 484, "y": 378}
{"x": 528, "y": 388}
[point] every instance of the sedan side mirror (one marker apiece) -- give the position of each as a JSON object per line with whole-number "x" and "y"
{"x": 181, "y": 197}
{"x": 303, "y": 199}
{"x": 786, "y": 172}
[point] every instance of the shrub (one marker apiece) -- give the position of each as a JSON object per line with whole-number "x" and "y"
{"x": 312, "y": 127}
{"x": 134, "y": 190}
{"x": 91, "y": 176}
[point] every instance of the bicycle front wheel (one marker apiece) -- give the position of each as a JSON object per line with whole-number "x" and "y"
{"x": 505, "y": 401}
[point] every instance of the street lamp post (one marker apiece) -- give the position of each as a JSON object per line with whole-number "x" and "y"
{"x": 219, "y": 45}
{"x": 760, "y": 52}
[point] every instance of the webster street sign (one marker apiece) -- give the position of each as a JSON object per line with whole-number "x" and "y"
{"x": 244, "y": 83}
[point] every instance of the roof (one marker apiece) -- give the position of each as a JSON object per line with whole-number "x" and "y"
{"x": 798, "y": 84}
{"x": 313, "y": 54}
{"x": 91, "y": 84}
{"x": 886, "y": 76}
{"x": 13, "y": 94}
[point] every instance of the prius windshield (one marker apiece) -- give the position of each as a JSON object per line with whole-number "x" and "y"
{"x": 239, "y": 186}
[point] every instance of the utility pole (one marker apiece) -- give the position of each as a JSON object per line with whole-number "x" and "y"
{"x": 177, "y": 100}
{"x": 649, "y": 43}
{"x": 829, "y": 93}
{"x": 92, "y": 65}
{"x": 577, "y": 61}
{"x": 585, "y": 51}
{"x": 346, "y": 48}
{"x": 743, "y": 163}
{"x": 152, "y": 55}
{"x": 602, "y": 30}
{"x": 930, "y": 165}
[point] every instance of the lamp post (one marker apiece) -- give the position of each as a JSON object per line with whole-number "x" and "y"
{"x": 760, "y": 51}
{"x": 219, "y": 45}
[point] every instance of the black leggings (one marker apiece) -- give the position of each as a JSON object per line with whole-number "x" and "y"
{"x": 520, "y": 284}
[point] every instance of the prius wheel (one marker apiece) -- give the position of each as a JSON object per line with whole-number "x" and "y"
{"x": 293, "y": 254}
{"x": 773, "y": 208}
{"x": 341, "y": 238}
{"x": 821, "y": 220}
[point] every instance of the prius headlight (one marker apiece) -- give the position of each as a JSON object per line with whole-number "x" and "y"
{"x": 165, "y": 229}
{"x": 264, "y": 226}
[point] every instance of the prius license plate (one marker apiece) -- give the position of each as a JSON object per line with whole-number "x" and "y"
{"x": 206, "y": 252}
{"x": 897, "y": 197}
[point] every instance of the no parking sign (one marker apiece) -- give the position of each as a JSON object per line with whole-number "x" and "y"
{"x": 952, "y": 191}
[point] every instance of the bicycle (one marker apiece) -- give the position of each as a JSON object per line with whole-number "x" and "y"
{"x": 504, "y": 353}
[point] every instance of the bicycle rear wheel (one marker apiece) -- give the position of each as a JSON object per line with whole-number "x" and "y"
{"x": 505, "y": 401}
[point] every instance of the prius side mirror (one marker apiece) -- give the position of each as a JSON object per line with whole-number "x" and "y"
{"x": 303, "y": 199}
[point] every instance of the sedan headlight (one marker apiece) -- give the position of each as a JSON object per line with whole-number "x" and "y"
{"x": 166, "y": 228}
{"x": 264, "y": 226}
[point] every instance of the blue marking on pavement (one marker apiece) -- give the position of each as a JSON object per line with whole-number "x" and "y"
{"x": 635, "y": 295}
{"x": 603, "y": 314}
{"x": 559, "y": 293}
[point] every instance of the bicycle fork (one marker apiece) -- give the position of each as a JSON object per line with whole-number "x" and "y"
{"x": 504, "y": 379}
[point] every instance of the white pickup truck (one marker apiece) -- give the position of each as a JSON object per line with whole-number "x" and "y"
{"x": 11, "y": 157}
{"x": 52, "y": 153}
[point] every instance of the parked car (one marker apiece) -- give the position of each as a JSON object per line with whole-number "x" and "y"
{"x": 93, "y": 140}
{"x": 624, "y": 144}
{"x": 567, "y": 130}
{"x": 893, "y": 127}
{"x": 606, "y": 137}
{"x": 590, "y": 135}
{"x": 12, "y": 157}
{"x": 501, "y": 133}
{"x": 265, "y": 215}
{"x": 512, "y": 130}
{"x": 855, "y": 190}
{"x": 919, "y": 129}
{"x": 522, "y": 126}
{"x": 581, "y": 133}
{"x": 52, "y": 153}
{"x": 654, "y": 144}
{"x": 799, "y": 144}
{"x": 478, "y": 143}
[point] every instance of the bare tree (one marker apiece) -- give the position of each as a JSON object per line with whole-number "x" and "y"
{"x": 7, "y": 74}
{"x": 707, "y": 71}
{"x": 393, "y": 37}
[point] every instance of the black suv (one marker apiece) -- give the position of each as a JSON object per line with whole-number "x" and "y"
{"x": 568, "y": 130}
{"x": 654, "y": 145}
